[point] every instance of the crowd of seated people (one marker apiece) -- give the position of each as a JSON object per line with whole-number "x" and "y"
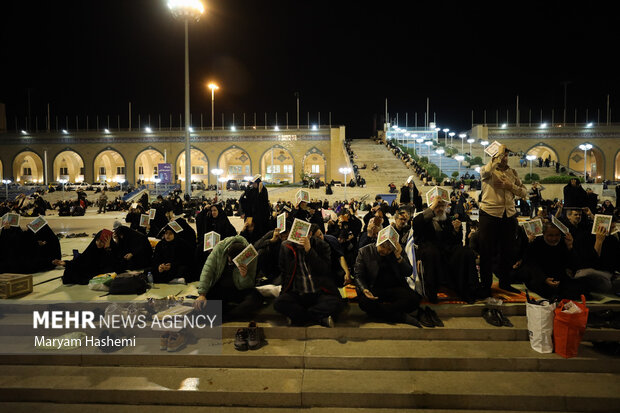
{"x": 340, "y": 248}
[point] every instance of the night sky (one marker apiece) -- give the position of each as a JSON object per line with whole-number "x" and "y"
{"x": 92, "y": 57}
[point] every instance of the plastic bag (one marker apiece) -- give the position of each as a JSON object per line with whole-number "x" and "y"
{"x": 101, "y": 282}
{"x": 568, "y": 328}
{"x": 540, "y": 316}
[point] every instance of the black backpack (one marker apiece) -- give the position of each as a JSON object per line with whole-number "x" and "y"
{"x": 136, "y": 284}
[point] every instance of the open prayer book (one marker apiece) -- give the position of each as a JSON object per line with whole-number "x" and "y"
{"x": 603, "y": 221}
{"x": 246, "y": 256}
{"x": 302, "y": 195}
{"x": 492, "y": 149}
{"x": 388, "y": 234}
{"x": 144, "y": 220}
{"x": 37, "y": 224}
{"x": 299, "y": 230}
{"x": 281, "y": 222}
{"x": 533, "y": 227}
{"x": 437, "y": 192}
{"x": 210, "y": 240}
{"x": 12, "y": 219}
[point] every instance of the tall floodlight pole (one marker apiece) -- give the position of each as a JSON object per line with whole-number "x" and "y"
{"x": 187, "y": 10}
{"x": 213, "y": 88}
{"x": 585, "y": 148}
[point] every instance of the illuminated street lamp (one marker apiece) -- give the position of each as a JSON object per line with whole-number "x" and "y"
{"x": 459, "y": 158}
{"x": 463, "y": 136}
{"x": 585, "y": 147}
{"x": 440, "y": 152}
{"x": 451, "y": 134}
{"x": 484, "y": 154}
{"x": 418, "y": 140}
{"x": 470, "y": 141}
{"x": 345, "y": 171}
{"x": 217, "y": 172}
{"x": 187, "y": 10}
{"x": 445, "y": 132}
{"x": 6, "y": 183}
{"x": 213, "y": 88}
{"x": 429, "y": 144}
{"x": 530, "y": 158}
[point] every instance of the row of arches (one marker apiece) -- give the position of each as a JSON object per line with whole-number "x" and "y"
{"x": 594, "y": 160}
{"x": 277, "y": 164}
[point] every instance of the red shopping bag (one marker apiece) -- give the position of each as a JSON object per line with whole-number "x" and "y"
{"x": 568, "y": 328}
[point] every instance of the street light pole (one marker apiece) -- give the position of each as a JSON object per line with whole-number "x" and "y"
{"x": 440, "y": 152}
{"x": 345, "y": 171}
{"x": 459, "y": 158}
{"x": 189, "y": 9}
{"x": 585, "y": 148}
{"x": 213, "y": 88}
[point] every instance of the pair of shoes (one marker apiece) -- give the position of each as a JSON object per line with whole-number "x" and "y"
{"x": 433, "y": 317}
{"x": 252, "y": 337}
{"x": 425, "y": 318}
{"x": 327, "y": 322}
{"x": 411, "y": 320}
{"x": 172, "y": 341}
{"x": 496, "y": 318}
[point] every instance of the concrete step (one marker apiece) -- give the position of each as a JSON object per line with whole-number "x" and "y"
{"x": 17, "y": 407}
{"x": 311, "y": 388}
{"x": 473, "y": 328}
{"x": 439, "y": 355}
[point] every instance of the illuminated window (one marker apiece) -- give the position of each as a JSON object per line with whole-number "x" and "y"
{"x": 316, "y": 169}
{"x": 273, "y": 169}
{"x": 288, "y": 169}
{"x": 198, "y": 170}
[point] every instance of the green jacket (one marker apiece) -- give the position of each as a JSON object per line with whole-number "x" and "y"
{"x": 215, "y": 264}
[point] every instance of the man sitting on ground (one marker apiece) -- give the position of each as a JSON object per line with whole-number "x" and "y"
{"x": 222, "y": 280}
{"x": 381, "y": 282}
{"x": 308, "y": 295}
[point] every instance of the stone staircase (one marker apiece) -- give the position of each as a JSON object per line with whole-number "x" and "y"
{"x": 358, "y": 366}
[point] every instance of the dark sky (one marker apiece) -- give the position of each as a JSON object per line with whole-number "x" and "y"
{"x": 92, "y": 57}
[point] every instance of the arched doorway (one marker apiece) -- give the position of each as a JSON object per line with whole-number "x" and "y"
{"x": 68, "y": 165}
{"x": 28, "y": 168}
{"x": 2, "y": 171}
{"x": 315, "y": 164}
{"x": 617, "y": 169}
{"x": 146, "y": 164}
{"x": 235, "y": 162}
{"x": 200, "y": 166}
{"x": 544, "y": 152}
{"x": 594, "y": 162}
{"x": 278, "y": 165}
{"x": 109, "y": 166}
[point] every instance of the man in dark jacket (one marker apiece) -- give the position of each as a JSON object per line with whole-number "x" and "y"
{"x": 381, "y": 282}
{"x": 440, "y": 248}
{"x": 308, "y": 294}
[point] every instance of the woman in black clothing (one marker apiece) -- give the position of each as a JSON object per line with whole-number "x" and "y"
{"x": 574, "y": 195}
{"x": 38, "y": 250}
{"x": 171, "y": 258}
{"x": 98, "y": 258}
{"x": 134, "y": 249}
{"x": 211, "y": 218}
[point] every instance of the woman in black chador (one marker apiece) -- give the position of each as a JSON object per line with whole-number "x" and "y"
{"x": 172, "y": 257}
{"x": 211, "y": 218}
{"x": 38, "y": 250}
{"x": 255, "y": 205}
{"x": 98, "y": 258}
{"x": 134, "y": 249}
